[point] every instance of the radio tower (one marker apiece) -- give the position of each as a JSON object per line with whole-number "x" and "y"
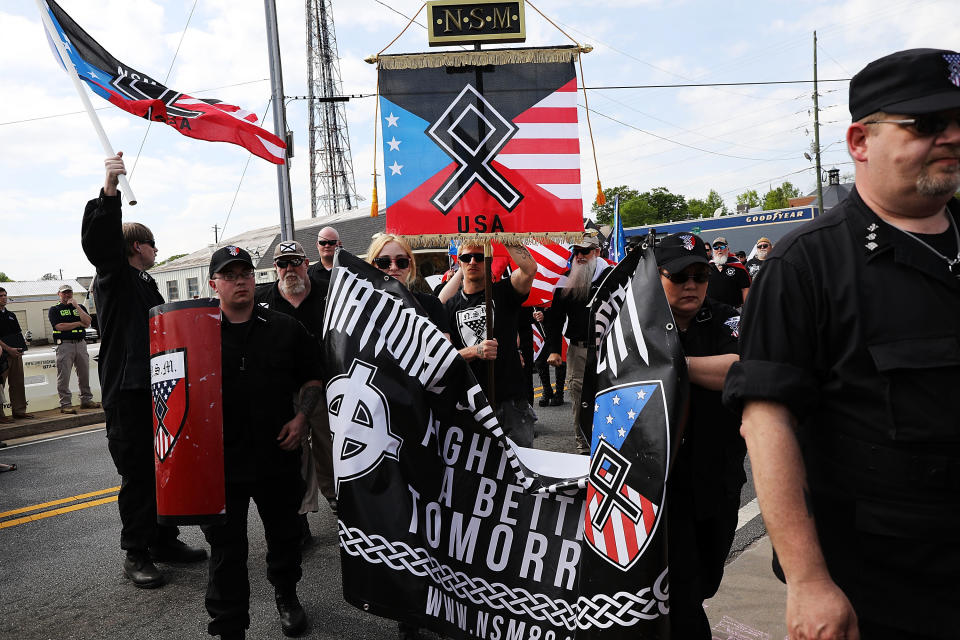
{"x": 332, "y": 187}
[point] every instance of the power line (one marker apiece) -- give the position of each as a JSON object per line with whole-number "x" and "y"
{"x": 711, "y": 84}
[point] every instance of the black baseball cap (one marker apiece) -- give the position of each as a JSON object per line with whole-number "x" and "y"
{"x": 678, "y": 251}
{"x": 911, "y": 82}
{"x": 228, "y": 255}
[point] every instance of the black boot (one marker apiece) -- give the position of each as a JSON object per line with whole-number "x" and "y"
{"x": 177, "y": 551}
{"x": 557, "y": 399}
{"x": 293, "y": 619}
{"x": 138, "y": 568}
{"x": 546, "y": 397}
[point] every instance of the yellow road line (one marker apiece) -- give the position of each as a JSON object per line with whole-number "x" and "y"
{"x": 52, "y": 503}
{"x": 56, "y": 512}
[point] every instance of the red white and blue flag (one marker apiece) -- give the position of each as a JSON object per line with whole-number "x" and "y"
{"x": 491, "y": 149}
{"x": 139, "y": 94}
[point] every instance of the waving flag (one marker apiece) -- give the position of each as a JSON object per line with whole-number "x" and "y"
{"x": 481, "y": 149}
{"x": 618, "y": 246}
{"x": 552, "y": 264}
{"x": 139, "y": 94}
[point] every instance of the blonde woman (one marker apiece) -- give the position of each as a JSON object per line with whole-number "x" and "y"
{"x": 393, "y": 255}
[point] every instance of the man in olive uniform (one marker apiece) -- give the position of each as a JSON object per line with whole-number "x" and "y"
{"x": 850, "y": 365}
{"x": 70, "y": 320}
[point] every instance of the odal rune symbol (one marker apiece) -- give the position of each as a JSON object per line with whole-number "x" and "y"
{"x": 473, "y": 137}
{"x": 608, "y": 471}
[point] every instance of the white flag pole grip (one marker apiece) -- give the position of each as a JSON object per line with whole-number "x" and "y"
{"x": 54, "y": 36}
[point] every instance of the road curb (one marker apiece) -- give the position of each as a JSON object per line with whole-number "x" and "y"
{"x": 44, "y": 424}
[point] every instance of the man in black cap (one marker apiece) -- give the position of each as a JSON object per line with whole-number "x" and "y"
{"x": 267, "y": 358}
{"x": 122, "y": 252}
{"x": 571, "y": 307}
{"x": 703, "y": 492}
{"x": 850, "y": 365}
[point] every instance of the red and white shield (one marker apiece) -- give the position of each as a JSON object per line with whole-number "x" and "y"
{"x": 619, "y": 521}
{"x": 168, "y": 383}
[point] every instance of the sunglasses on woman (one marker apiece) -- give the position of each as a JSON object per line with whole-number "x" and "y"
{"x": 681, "y": 278}
{"x": 383, "y": 262}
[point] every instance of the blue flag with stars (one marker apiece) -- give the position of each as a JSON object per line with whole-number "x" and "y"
{"x": 616, "y": 411}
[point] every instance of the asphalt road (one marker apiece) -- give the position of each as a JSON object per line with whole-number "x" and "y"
{"x": 61, "y": 575}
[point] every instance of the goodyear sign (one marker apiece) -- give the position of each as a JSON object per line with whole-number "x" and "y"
{"x": 452, "y": 22}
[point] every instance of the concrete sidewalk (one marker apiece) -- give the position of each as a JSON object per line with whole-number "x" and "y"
{"x": 751, "y": 602}
{"x": 48, "y": 422}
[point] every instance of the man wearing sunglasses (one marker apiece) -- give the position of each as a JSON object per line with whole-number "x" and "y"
{"x": 466, "y": 310}
{"x": 571, "y": 307}
{"x": 849, "y": 371}
{"x": 122, "y": 252}
{"x": 294, "y": 294}
{"x": 729, "y": 282}
{"x": 762, "y": 251}
{"x": 328, "y": 241}
{"x": 703, "y": 495}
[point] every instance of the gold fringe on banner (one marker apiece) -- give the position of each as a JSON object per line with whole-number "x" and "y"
{"x": 433, "y": 60}
{"x": 442, "y": 240}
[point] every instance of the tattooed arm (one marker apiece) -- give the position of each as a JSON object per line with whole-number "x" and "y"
{"x": 522, "y": 278}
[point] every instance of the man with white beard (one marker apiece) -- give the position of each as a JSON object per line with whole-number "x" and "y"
{"x": 763, "y": 250}
{"x": 294, "y": 294}
{"x": 571, "y": 306}
{"x": 729, "y": 281}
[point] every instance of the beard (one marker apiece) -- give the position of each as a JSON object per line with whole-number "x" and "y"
{"x": 937, "y": 185}
{"x": 720, "y": 259}
{"x": 580, "y": 279}
{"x": 292, "y": 284}
{"x": 762, "y": 254}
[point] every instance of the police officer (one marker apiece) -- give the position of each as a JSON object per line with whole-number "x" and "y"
{"x": 703, "y": 492}
{"x": 850, "y": 369}
{"x": 122, "y": 252}
{"x": 267, "y": 358}
{"x": 70, "y": 320}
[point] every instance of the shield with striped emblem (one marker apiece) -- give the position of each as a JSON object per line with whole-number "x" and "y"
{"x": 169, "y": 387}
{"x": 623, "y": 502}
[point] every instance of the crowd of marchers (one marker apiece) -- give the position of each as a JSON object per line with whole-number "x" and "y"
{"x": 832, "y": 358}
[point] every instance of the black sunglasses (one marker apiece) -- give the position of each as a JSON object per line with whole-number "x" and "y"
{"x": 467, "y": 258}
{"x": 383, "y": 262}
{"x": 763, "y": 246}
{"x": 283, "y": 263}
{"x": 327, "y": 243}
{"x": 681, "y": 278}
{"x": 149, "y": 242}
{"x": 582, "y": 251}
{"x": 719, "y": 245}
{"x": 928, "y": 124}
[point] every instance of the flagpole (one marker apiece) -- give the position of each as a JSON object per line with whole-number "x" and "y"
{"x": 71, "y": 70}
{"x": 279, "y": 120}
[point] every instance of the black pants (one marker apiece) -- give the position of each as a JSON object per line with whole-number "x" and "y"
{"x": 228, "y": 587}
{"x": 543, "y": 369}
{"x": 697, "y": 551}
{"x": 130, "y": 438}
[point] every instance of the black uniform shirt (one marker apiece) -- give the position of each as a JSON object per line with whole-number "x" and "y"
{"x": 711, "y": 456}
{"x": 753, "y": 267}
{"x": 727, "y": 284}
{"x": 66, "y": 313}
{"x": 855, "y": 327}
{"x": 467, "y": 316}
{"x": 265, "y": 362}
{"x": 309, "y": 313}
{"x": 10, "y": 332}
{"x": 124, "y": 298}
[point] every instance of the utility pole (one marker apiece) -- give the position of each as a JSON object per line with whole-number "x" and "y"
{"x": 279, "y": 119}
{"x": 816, "y": 127}
{"x": 216, "y": 228}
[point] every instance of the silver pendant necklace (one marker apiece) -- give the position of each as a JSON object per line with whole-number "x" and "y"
{"x": 953, "y": 266}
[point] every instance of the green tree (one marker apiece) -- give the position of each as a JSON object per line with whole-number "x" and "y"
{"x": 4, "y": 277}
{"x": 669, "y": 206}
{"x": 604, "y": 213}
{"x": 698, "y": 208}
{"x": 637, "y": 212}
{"x": 49, "y": 276}
{"x": 779, "y": 198}
{"x": 170, "y": 259}
{"x": 750, "y": 198}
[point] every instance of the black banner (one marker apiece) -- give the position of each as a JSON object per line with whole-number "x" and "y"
{"x": 444, "y": 523}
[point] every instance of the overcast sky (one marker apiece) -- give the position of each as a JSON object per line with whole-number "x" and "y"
{"x": 689, "y": 140}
